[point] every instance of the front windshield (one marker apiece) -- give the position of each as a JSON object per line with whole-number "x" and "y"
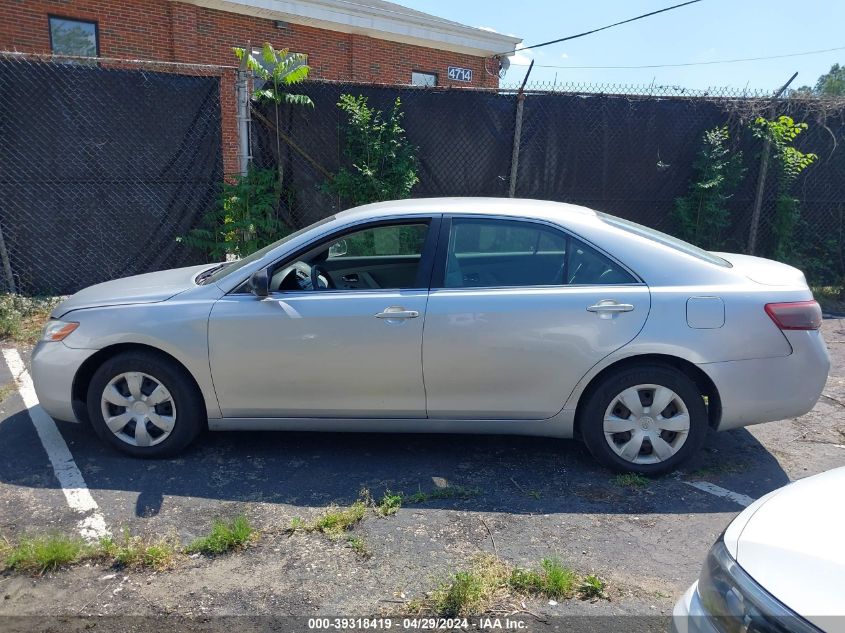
{"x": 230, "y": 267}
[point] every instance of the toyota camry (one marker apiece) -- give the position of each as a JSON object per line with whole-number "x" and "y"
{"x": 461, "y": 315}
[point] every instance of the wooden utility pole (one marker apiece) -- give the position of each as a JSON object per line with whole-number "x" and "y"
{"x": 761, "y": 177}
{"x": 517, "y": 133}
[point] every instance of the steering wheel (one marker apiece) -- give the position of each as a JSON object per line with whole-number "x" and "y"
{"x": 318, "y": 271}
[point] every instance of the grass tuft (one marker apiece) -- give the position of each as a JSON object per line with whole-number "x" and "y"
{"x": 358, "y": 546}
{"x": 337, "y": 520}
{"x": 472, "y": 591}
{"x": 389, "y": 504}
{"x": 223, "y": 537}
{"x": 490, "y": 583}
{"x": 138, "y": 553}
{"x": 22, "y": 318}
{"x": 38, "y": 554}
{"x": 591, "y": 587}
{"x": 631, "y": 480}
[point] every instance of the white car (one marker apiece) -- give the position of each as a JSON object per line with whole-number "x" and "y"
{"x": 779, "y": 566}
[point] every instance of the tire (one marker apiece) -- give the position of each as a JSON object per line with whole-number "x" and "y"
{"x": 135, "y": 397}
{"x": 661, "y": 449}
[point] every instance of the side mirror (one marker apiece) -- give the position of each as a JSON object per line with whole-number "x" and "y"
{"x": 259, "y": 283}
{"x": 338, "y": 249}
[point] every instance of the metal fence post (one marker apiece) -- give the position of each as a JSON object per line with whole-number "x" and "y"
{"x": 761, "y": 178}
{"x": 242, "y": 96}
{"x": 517, "y": 133}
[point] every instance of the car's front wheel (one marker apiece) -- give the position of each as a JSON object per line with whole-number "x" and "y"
{"x": 144, "y": 404}
{"x": 646, "y": 420}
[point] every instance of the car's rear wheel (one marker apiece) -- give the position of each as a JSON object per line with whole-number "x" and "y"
{"x": 144, "y": 404}
{"x": 646, "y": 420}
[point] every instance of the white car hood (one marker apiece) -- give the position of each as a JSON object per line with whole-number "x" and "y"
{"x": 793, "y": 544}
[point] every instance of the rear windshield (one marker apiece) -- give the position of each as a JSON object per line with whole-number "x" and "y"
{"x": 663, "y": 238}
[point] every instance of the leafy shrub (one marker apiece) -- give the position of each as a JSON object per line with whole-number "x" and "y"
{"x": 383, "y": 165}
{"x": 702, "y": 216}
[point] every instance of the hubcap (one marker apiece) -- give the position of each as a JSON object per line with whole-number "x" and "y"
{"x": 646, "y": 424}
{"x": 138, "y": 409}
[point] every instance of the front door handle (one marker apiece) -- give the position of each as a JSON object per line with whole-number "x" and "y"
{"x": 351, "y": 278}
{"x": 607, "y": 308}
{"x": 397, "y": 312}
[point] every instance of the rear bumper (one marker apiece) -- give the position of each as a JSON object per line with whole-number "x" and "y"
{"x": 767, "y": 389}
{"x": 688, "y": 616}
{"x": 54, "y": 366}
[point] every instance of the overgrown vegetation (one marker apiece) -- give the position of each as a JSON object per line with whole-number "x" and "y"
{"x": 22, "y": 318}
{"x": 490, "y": 583}
{"x": 389, "y": 504}
{"x": 245, "y": 219}
{"x": 225, "y": 536}
{"x": 137, "y": 552}
{"x": 39, "y": 554}
{"x": 703, "y": 216}
{"x": 382, "y": 163}
{"x": 781, "y": 132}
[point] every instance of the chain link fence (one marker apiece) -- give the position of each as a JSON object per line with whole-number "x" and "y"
{"x": 626, "y": 150}
{"x": 105, "y": 163}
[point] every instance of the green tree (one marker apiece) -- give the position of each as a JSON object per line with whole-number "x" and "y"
{"x": 830, "y": 84}
{"x": 383, "y": 164}
{"x": 702, "y": 216}
{"x": 245, "y": 218}
{"x": 791, "y": 162}
{"x": 278, "y": 70}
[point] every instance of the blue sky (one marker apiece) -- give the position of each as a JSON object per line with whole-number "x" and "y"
{"x": 706, "y": 31}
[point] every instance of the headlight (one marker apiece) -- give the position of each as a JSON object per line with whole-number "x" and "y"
{"x": 56, "y": 330}
{"x": 738, "y": 604}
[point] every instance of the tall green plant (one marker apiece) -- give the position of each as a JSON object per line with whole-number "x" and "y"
{"x": 703, "y": 216}
{"x": 383, "y": 162}
{"x": 278, "y": 70}
{"x": 791, "y": 162}
{"x": 245, "y": 219}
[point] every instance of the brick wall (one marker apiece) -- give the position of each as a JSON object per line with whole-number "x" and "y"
{"x": 162, "y": 30}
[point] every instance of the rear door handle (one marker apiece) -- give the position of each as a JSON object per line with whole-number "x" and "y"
{"x": 352, "y": 278}
{"x": 397, "y": 312}
{"x": 606, "y": 308}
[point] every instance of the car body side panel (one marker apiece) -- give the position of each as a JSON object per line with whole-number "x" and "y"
{"x": 178, "y": 327}
{"x": 318, "y": 354}
{"x": 517, "y": 353}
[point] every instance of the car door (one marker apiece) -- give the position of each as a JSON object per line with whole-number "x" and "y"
{"x": 519, "y": 311}
{"x": 345, "y": 352}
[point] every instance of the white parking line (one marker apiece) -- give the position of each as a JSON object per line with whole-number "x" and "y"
{"x": 713, "y": 489}
{"x": 79, "y": 498}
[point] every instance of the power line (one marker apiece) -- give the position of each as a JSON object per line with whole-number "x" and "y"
{"x": 603, "y": 28}
{"x": 719, "y": 61}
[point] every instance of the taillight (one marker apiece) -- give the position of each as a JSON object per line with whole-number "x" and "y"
{"x": 796, "y": 315}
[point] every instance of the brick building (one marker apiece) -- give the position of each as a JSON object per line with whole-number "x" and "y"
{"x": 368, "y": 41}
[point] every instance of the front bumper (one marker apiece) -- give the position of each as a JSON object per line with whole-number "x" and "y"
{"x": 768, "y": 389}
{"x": 54, "y": 366}
{"x": 688, "y": 616}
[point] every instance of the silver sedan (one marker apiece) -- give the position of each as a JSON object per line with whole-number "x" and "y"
{"x": 460, "y": 315}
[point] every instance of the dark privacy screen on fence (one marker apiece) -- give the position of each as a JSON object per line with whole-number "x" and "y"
{"x": 101, "y": 169}
{"x": 630, "y": 155}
